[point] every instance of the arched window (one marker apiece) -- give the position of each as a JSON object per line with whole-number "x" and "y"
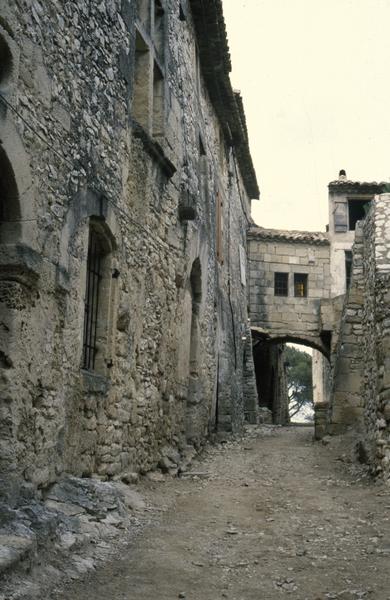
{"x": 9, "y": 201}
{"x": 6, "y": 61}
{"x": 97, "y": 300}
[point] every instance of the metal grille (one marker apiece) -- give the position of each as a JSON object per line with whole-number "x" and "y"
{"x": 281, "y": 284}
{"x": 94, "y": 277}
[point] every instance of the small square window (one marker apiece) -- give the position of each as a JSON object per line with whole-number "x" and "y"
{"x": 300, "y": 285}
{"x": 281, "y": 284}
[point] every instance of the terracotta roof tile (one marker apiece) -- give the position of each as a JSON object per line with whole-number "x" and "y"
{"x": 308, "y": 237}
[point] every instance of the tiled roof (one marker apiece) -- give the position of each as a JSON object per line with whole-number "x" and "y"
{"x": 358, "y": 186}
{"x": 308, "y": 237}
{"x": 216, "y": 66}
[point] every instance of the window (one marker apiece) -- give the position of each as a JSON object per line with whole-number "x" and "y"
{"x": 182, "y": 14}
{"x": 300, "y": 285}
{"x": 203, "y": 174}
{"x": 348, "y": 267}
{"x": 158, "y": 29}
{"x": 142, "y": 96}
{"x": 10, "y": 214}
{"x": 149, "y": 92}
{"x": 158, "y": 102}
{"x": 357, "y": 210}
{"x": 92, "y": 297}
{"x": 281, "y": 284}
{"x": 98, "y": 301}
{"x": 219, "y": 232}
{"x": 6, "y": 62}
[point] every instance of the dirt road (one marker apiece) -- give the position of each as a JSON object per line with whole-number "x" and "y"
{"x": 269, "y": 517}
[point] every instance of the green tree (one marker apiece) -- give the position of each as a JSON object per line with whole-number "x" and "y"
{"x": 299, "y": 379}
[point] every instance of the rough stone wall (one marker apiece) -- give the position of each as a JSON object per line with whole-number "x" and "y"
{"x": 288, "y": 316}
{"x": 170, "y": 351}
{"x": 376, "y": 336}
{"x": 346, "y": 399}
{"x": 361, "y": 393}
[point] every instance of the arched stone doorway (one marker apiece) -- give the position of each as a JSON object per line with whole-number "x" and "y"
{"x": 270, "y": 371}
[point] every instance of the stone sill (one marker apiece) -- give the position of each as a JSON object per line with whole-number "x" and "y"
{"x": 95, "y": 383}
{"x": 154, "y": 149}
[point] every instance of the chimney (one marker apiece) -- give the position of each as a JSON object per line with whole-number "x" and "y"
{"x": 342, "y": 175}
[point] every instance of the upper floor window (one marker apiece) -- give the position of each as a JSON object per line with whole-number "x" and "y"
{"x": 300, "y": 285}
{"x": 6, "y": 61}
{"x": 149, "y": 86}
{"x": 357, "y": 210}
{"x": 281, "y": 284}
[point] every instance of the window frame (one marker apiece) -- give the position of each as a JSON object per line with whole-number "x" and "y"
{"x": 281, "y": 287}
{"x": 96, "y": 357}
{"x": 148, "y": 107}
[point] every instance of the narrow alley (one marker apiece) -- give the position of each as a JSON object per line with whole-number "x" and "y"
{"x": 269, "y": 516}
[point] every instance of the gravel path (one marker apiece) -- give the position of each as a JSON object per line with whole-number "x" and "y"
{"x": 274, "y": 515}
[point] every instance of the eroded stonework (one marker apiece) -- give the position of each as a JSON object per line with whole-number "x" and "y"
{"x": 111, "y": 129}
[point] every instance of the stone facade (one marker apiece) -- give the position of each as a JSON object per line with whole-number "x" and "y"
{"x": 289, "y": 297}
{"x": 292, "y": 313}
{"x": 123, "y": 151}
{"x": 348, "y": 203}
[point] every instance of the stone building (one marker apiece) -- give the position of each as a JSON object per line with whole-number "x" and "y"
{"x": 125, "y": 188}
{"x": 348, "y": 204}
{"x": 331, "y": 291}
{"x": 289, "y": 302}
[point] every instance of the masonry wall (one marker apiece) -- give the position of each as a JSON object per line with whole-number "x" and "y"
{"x": 361, "y": 386}
{"x": 346, "y": 399}
{"x": 170, "y": 354}
{"x": 376, "y": 337}
{"x": 288, "y": 316}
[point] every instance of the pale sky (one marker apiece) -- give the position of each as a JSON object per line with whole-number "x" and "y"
{"x": 314, "y": 76}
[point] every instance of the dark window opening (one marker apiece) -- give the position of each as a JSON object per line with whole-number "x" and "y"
{"x": 281, "y": 284}
{"x": 158, "y": 102}
{"x": 6, "y": 62}
{"x": 10, "y": 215}
{"x": 141, "y": 99}
{"x": 357, "y": 210}
{"x": 348, "y": 267}
{"x": 202, "y": 150}
{"x": 158, "y": 32}
{"x": 91, "y": 308}
{"x": 182, "y": 14}
{"x": 300, "y": 285}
